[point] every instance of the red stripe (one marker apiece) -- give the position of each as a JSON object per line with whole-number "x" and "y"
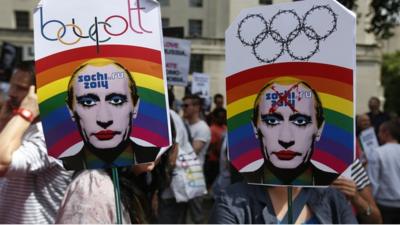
{"x": 288, "y": 69}
{"x": 329, "y": 160}
{"x": 247, "y": 158}
{"x": 89, "y": 52}
{"x": 149, "y": 136}
{"x": 57, "y": 149}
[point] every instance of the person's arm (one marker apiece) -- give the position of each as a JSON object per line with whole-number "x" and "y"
{"x": 365, "y": 204}
{"x": 5, "y": 114}
{"x": 362, "y": 200}
{"x": 11, "y": 135}
{"x": 198, "y": 146}
{"x": 200, "y": 139}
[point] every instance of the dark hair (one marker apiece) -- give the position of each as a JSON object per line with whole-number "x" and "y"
{"x": 132, "y": 84}
{"x": 27, "y": 66}
{"x": 218, "y": 95}
{"x": 196, "y": 100}
{"x": 374, "y": 98}
{"x": 133, "y": 198}
{"x": 393, "y": 127}
{"x": 319, "y": 110}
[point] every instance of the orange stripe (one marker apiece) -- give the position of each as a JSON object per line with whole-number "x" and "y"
{"x": 133, "y": 65}
{"x": 329, "y": 86}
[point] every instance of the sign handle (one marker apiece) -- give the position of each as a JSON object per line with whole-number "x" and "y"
{"x": 117, "y": 195}
{"x": 290, "y": 203}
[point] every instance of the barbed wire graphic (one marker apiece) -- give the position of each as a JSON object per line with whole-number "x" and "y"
{"x": 284, "y": 42}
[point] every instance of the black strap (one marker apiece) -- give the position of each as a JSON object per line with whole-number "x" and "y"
{"x": 188, "y": 132}
{"x": 298, "y": 205}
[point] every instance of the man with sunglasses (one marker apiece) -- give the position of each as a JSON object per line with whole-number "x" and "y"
{"x": 201, "y": 137}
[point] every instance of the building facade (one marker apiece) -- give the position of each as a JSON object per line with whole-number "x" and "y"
{"x": 204, "y": 23}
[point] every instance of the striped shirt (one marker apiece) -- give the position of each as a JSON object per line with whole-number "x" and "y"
{"x": 359, "y": 175}
{"x": 34, "y": 184}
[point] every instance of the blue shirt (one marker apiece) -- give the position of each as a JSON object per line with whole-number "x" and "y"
{"x": 242, "y": 203}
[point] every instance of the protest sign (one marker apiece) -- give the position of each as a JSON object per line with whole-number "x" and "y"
{"x": 101, "y": 83}
{"x": 177, "y": 60}
{"x": 290, "y": 88}
{"x": 201, "y": 85}
{"x": 368, "y": 140}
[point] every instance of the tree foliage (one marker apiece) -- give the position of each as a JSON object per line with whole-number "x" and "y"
{"x": 385, "y": 16}
{"x": 391, "y": 81}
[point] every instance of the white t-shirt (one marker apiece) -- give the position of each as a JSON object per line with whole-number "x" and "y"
{"x": 184, "y": 146}
{"x": 200, "y": 131}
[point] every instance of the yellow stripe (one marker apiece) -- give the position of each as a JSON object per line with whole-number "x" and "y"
{"x": 56, "y": 87}
{"x": 240, "y": 106}
{"x": 337, "y": 104}
{"x": 331, "y": 102}
{"x": 51, "y": 89}
{"x": 150, "y": 82}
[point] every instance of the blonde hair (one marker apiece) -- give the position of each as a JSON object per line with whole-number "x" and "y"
{"x": 99, "y": 62}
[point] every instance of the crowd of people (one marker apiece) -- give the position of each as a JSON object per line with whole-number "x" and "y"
{"x": 36, "y": 188}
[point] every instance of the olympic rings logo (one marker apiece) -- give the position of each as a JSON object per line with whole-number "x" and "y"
{"x": 284, "y": 41}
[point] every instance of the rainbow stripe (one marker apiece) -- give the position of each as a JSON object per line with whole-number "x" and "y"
{"x": 53, "y": 74}
{"x": 334, "y": 86}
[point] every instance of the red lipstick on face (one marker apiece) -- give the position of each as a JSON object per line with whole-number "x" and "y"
{"x": 286, "y": 154}
{"x": 105, "y": 135}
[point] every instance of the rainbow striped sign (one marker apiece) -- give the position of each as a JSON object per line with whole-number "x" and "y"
{"x": 299, "y": 40}
{"x": 69, "y": 33}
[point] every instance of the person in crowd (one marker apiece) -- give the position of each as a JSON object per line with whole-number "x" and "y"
{"x": 223, "y": 179}
{"x": 383, "y": 169}
{"x": 363, "y": 122}
{"x": 359, "y": 192}
{"x": 287, "y": 129}
{"x": 219, "y": 105}
{"x": 218, "y": 130}
{"x": 219, "y": 101}
{"x": 169, "y": 211}
{"x": 91, "y": 199}
{"x": 201, "y": 136}
{"x": 242, "y": 203}
{"x": 103, "y": 101}
{"x": 33, "y": 182}
{"x": 376, "y": 116}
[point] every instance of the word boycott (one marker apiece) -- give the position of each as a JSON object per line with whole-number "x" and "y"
{"x": 93, "y": 31}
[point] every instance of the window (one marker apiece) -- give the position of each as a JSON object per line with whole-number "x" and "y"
{"x": 265, "y": 2}
{"x": 164, "y": 2}
{"x": 196, "y": 3}
{"x": 165, "y": 22}
{"x": 22, "y": 20}
{"x": 195, "y": 28}
{"x": 196, "y": 63}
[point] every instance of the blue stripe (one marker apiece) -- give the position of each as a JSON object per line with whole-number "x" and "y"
{"x": 336, "y": 149}
{"x": 338, "y": 135}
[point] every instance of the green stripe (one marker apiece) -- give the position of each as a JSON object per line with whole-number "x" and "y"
{"x": 153, "y": 97}
{"x": 52, "y": 104}
{"x": 331, "y": 117}
{"x": 339, "y": 120}
{"x": 240, "y": 120}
